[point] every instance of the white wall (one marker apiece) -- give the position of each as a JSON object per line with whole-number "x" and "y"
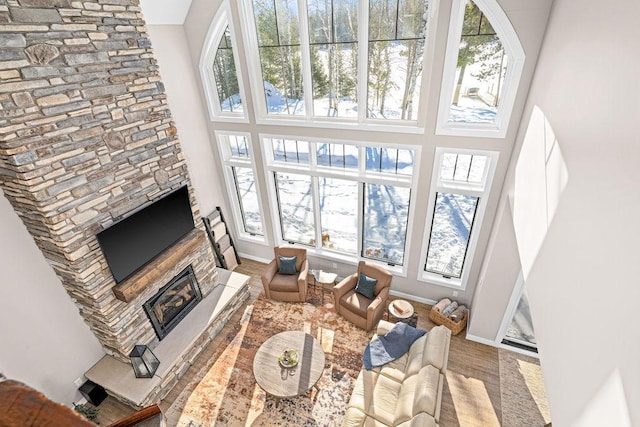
{"x": 43, "y": 340}
{"x": 183, "y": 92}
{"x": 497, "y": 278}
{"x": 582, "y": 130}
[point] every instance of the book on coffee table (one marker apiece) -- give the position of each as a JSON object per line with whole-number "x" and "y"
{"x": 398, "y": 308}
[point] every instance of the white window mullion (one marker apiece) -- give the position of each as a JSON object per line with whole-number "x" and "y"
{"x": 305, "y": 52}
{"x": 313, "y": 162}
{"x": 363, "y": 52}
{"x": 252, "y": 56}
{"x": 360, "y": 217}
{"x": 315, "y": 194}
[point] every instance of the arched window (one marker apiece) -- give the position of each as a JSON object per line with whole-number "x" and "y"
{"x": 219, "y": 70}
{"x": 361, "y": 65}
{"x": 482, "y": 70}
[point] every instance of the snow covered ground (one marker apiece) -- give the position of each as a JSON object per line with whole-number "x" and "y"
{"x": 472, "y": 110}
{"x": 386, "y": 212}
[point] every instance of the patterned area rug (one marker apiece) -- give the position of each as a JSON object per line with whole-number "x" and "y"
{"x": 226, "y": 393}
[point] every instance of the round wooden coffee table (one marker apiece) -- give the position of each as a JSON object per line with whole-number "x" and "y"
{"x": 282, "y": 382}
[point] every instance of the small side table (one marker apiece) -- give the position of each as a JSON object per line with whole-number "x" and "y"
{"x": 325, "y": 279}
{"x": 403, "y": 311}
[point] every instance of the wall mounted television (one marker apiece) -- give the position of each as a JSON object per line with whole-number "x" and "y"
{"x": 131, "y": 243}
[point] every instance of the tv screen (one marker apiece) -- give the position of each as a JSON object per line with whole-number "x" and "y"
{"x": 131, "y": 243}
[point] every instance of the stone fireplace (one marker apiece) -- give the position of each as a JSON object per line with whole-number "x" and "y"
{"x": 87, "y": 137}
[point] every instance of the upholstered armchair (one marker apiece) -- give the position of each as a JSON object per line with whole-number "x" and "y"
{"x": 364, "y": 312}
{"x": 286, "y": 287}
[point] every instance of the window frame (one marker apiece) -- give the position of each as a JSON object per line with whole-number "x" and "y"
{"x": 220, "y": 22}
{"x": 252, "y": 56}
{"x": 229, "y": 162}
{"x": 359, "y": 176}
{"x": 481, "y": 190}
{"x": 516, "y": 57}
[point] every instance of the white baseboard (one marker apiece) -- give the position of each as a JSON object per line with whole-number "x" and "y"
{"x": 480, "y": 340}
{"x": 413, "y": 297}
{"x": 255, "y": 258}
{"x": 501, "y": 346}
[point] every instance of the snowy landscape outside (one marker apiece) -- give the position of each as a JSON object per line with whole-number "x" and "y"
{"x": 384, "y": 208}
{"x": 394, "y": 49}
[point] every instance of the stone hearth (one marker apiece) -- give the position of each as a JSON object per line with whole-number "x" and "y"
{"x": 178, "y": 350}
{"x": 86, "y": 137}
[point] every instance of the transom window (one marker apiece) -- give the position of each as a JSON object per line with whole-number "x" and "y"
{"x": 333, "y": 203}
{"x": 460, "y": 185}
{"x": 317, "y": 59}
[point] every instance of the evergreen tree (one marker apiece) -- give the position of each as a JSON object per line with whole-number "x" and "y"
{"x": 479, "y": 40}
{"x": 321, "y": 85}
{"x": 347, "y": 71}
{"x": 224, "y": 71}
{"x": 415, "y": 14}
{"x": 279, "y": 44}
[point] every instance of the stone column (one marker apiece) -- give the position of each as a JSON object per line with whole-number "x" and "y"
{"x": 86, "y": 136}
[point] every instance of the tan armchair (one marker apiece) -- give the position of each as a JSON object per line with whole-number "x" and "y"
{"x": 286, "y": 287}
{"x": 358, "y": 309}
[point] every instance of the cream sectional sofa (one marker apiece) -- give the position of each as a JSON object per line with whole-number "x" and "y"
{"x": 406, "y": 392}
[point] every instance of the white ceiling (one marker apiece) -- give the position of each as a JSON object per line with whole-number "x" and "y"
{"x": 165, "y": 12}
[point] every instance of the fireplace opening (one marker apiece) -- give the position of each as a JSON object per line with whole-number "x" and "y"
{"x": 173, "y": 302}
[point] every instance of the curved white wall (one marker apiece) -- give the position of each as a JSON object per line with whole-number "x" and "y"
{"x": 575, "y": 186}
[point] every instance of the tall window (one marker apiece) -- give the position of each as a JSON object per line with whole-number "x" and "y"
{"x": 219, "y": 70}
{"x": 226, "y": 77}
{"x": 482, "y": 64}
{"x": 386, "y": 215}
{"x": 240, "y": 177}
{"x": 295, "y": 203}
{"x": 278, "y": 33}
{"x": 483, "y": 67}
{"x": 339, "y": 214}
{"x": 460, "y": 185}
{"x": 329, "y": 199}
{"x": 356, "y": 60}
{"x": 397, "y": 30}
{"x": 333, "y": 40}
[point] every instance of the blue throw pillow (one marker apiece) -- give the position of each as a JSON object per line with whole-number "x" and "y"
{"x": 366, "y": 285}
{"x": 287, "y": 264}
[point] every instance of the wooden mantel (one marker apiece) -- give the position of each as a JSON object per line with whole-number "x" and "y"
{"x": 130, "y": 288}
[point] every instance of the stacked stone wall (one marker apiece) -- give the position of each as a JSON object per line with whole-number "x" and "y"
{"x": 86, "y": 137}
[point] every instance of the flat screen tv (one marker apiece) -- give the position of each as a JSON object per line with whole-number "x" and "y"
{"x": 134, "y": 241}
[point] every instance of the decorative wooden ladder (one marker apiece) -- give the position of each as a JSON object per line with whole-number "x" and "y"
{"x": 222, "y": 242}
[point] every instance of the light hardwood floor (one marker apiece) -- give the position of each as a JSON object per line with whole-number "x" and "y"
{"x": 471, "y": 394}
